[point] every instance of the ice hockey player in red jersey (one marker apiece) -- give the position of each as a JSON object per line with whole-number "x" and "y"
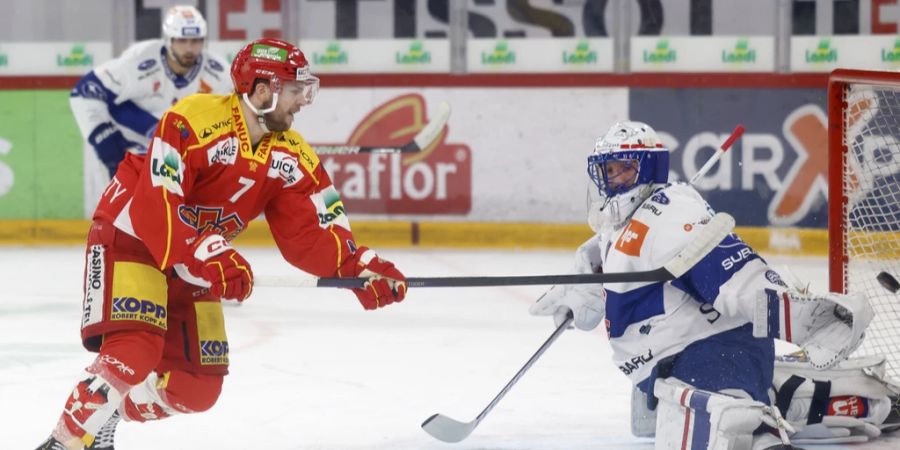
{"x": 158, "y": 259}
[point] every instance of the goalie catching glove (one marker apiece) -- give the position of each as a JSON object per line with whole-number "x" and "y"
{"x": 386, "y": 284}
{"x": 215, "y": 261}
{"x": 584, "y": 300}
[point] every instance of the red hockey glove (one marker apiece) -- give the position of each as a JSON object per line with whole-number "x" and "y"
{"x": 386, "y": 284}
{"x": 222, "y": 266}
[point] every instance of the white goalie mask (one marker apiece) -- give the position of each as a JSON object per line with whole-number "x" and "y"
{"x": 628, "y": 162}
{"x": 183, "y": 22}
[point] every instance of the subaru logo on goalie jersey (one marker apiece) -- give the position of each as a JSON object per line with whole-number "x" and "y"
{"x": 671, "y": 308}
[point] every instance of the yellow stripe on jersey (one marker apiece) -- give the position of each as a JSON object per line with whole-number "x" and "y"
{"x": 337, "y": 240}
{"x": 165, "y": 260}
{"x": 307, "y": 156}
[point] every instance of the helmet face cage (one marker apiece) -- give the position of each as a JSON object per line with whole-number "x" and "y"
{"x": 649, "y": 166}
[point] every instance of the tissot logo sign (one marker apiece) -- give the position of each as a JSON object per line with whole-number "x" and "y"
{"x": 437, "y": 180}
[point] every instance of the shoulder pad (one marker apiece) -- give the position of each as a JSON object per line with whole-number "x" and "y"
{"x": 139, "y": 59}
{"x": 214, "y": 61}
{"x": 216, "y": 73}
{"x": 206, "y": 113}
{"x": 295, "y": 143}
{"x": 143, "y": 50}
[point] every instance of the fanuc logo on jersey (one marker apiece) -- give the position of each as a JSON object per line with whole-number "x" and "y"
{"x": 632, "y": 238}
{"x": 436, "y": 180}
{"x": 213, "y": 352}
{"x": 240, "y": 129}
{"x": 130, "y": 308}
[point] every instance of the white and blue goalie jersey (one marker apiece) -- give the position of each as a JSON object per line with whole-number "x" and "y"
{"x": 118, "y": 104}
{"x": 650, "y": 321}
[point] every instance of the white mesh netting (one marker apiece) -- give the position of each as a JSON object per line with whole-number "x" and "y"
{"x": 871, "y": 183}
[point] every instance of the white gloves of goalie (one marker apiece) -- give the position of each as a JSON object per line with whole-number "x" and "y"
{"x": 585, "y": 301}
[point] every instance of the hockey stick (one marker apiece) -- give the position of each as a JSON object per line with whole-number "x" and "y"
{"x": 709, "y": 236}
{"x": 738, "y": 131}
{"x": 422, "y": 139}
{"x": 450, "y": 430}
{"x": 446, "y": 429}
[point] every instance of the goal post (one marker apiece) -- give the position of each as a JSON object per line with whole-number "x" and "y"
{"x": 864, "y": 199}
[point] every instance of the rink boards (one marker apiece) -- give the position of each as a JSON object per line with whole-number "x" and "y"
{"x": 508, "y": 171}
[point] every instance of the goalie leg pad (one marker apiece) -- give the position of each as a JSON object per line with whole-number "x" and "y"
{"x": 847, "y": 403}
{"x": 643, "y": 419}
{"x": 690, "y": 418}
{"x": 828, "y": 326}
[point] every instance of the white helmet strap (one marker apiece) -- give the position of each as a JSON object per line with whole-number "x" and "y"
{"x": 261, "y": 112}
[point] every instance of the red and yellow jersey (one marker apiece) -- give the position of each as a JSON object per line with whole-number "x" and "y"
{"x": 201, "y": 173}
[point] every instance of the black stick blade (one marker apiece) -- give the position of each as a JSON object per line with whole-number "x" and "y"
{"x": 888, "y": 282}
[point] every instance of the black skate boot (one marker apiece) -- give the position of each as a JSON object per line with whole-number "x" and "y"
{"x": 52, "y": 444}
{"x": 107, "y": 434}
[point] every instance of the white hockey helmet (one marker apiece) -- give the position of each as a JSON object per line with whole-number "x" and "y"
{"x": 628, "y": 162}
{"x": 183, "y": 22}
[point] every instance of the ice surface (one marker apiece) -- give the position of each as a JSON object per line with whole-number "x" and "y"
{"x": 311, "y": 369}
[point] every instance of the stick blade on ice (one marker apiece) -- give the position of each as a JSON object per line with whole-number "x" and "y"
{"x": 446, "y": 429}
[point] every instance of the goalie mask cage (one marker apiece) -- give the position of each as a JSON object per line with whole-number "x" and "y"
{"x": 864, "y": 199}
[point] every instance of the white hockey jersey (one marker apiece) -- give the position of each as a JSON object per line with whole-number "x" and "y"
{"x": 118, "y": 104}
{"x": 648, "y": 322}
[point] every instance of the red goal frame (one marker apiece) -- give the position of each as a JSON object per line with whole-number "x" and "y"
{"x": 837, "y": 200}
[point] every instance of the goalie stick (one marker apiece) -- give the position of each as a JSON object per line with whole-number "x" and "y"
{"x": 719, "y": 226}
{"x": 425, "y": 137}
{"x": 447, "y": 429}
{"x": 735, "y": 134}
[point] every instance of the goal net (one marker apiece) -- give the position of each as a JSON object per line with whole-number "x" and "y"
{"x": 864, "y": 199}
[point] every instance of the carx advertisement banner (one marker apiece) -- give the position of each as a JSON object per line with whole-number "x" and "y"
{"x": 775, "y": 174}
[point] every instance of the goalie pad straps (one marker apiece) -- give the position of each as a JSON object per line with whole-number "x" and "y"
{"x": 806, "y": 396}
{"x": 690, "y": 418}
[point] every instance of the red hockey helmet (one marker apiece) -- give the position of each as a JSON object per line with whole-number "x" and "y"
{"x": 276, "y": 61}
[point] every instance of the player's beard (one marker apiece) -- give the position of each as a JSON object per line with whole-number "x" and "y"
{"x": 186, "y": 60}
{"x": 277, "y": 120}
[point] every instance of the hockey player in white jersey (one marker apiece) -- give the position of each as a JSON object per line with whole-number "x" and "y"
{"x": 701, "y": 347}
{"x": 118, "y": 104}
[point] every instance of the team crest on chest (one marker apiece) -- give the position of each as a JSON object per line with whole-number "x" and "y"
{"x": 205, "y": 218}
